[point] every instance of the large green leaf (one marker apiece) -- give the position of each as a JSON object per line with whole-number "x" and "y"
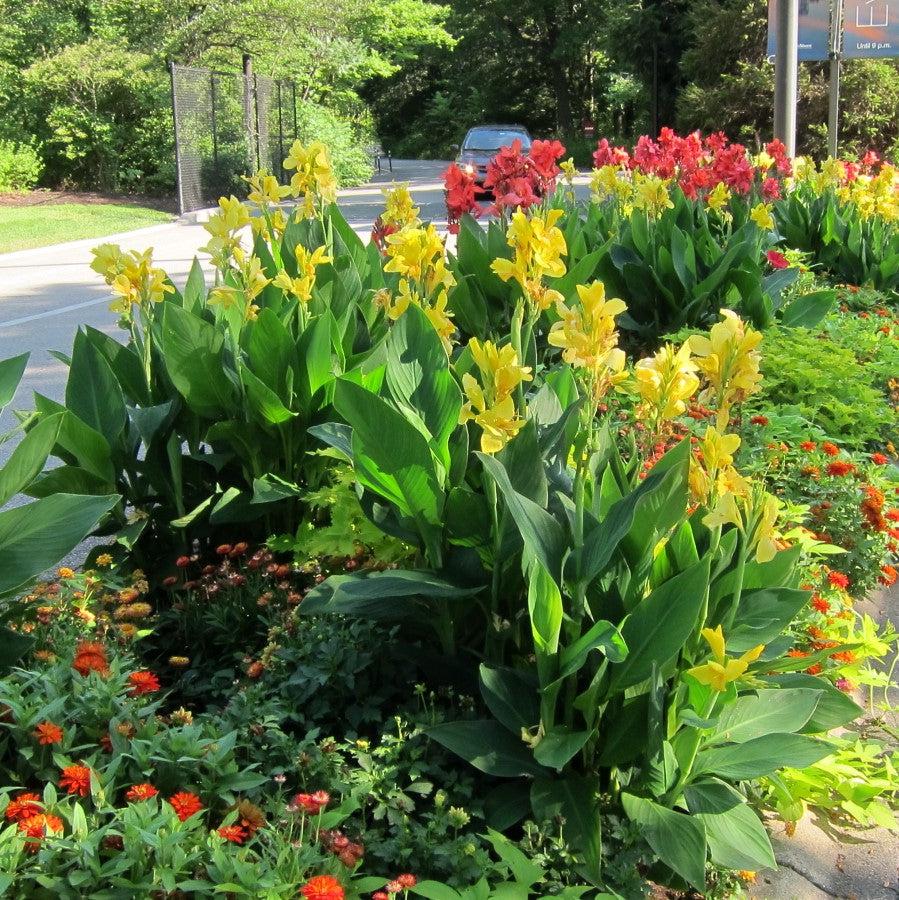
{"x": 192, "y": 349}
{"x": 679, "y": 840}
{"x": 602, "y": 636}
{"x": 658, "y": 627}
{"x": 270, "y": 349}
{"x": 92, "y": 391}
{"x": 763, "y": 614}
{"x": 761, "y": 756}
{"x": 27, "y": 460}
{"x": 487, "y": 746}
{"x": 752, "y": 715}
{"x": 737, "y": 839}
{"x": 314, "y": 353}
{"x": 11, "y": 372}
{"x": 834, "y": 708}
{"x": 13, "y": 645}
{"x": 544, "y": 608}
{"x": 543, "y": 536}
{"x": 392, "y": 458}
{"x": 391, "y": 594}
{"x": 37, "y": 536}
{"x": 125, "y": 364}
{"x": 559, "y": 746}
{"x": 807, "y": 310}
{"x": 419, "y": 379}
{"x": 511, "y": 696}
{"x": 263, "y": 402}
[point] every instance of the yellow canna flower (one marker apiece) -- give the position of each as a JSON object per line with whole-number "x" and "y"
{"x": 569, "y": 170}
{"x": 224, "y": 295}
{"x": 765, "y": 535}
{"x": 490, "y": 403}
{"x": 252, "y": 276}
{"x": 399, "y": 210}
{"x": 437, "y": 313}
{"x": 761, "y": 215}
{"x": 442, "y": 320}
{"x": 418, "y": 253}
{"x": 265, "y": 190}
{"x": 730, "y": 363}
{"x": 651, "y": 194}
{"x": 726, "y": 512}
{"x": 538, "y": 247}
{"x": 718, "y": 197}
{"x": 108, "y": 260}
{"x": 666, "y": 381}
{"x": 134, "y": 280}
{"x": 313, "y": 177}
{"x": 721, "y": 670}
{"x": 301, "y": 286}
{"x": 609, "y": 183}
{"x": 589, "y": 339}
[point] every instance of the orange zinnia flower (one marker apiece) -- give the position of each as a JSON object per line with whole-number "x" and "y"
{"x": 48, "y": 733}
{"x": 323, "y": 887}
{"x": 830, "y": 449}
{"x": 233, "y": 833}
{"x": 840, "y": 468}
{"x": 185, "y": 804}
{"x": 838, "y": 580}
{"x": 138, "y": 792}
{"x": 142, "y": 682}
{"x": 76, "y": 780}
{"x": 90, "y": 656}
{"x": 23, "y": 806}
{"x": 37, "y": 827}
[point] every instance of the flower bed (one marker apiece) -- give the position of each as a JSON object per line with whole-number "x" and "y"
{"x": 504, "y": 569}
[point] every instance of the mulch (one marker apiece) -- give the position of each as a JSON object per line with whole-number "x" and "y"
{"x": 52, "y": 198}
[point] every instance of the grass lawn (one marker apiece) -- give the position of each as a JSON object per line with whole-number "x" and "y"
{"x": 22, "y": 227}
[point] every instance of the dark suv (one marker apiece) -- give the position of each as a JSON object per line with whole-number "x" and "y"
{"x": 483, "y": 142}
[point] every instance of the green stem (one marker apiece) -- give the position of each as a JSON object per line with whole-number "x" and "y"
{"x": 692, "y": 749}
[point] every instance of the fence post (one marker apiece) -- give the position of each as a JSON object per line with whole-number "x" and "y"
{"x": 178, "y": 178}
{"x": 215, "y": 137}
{"x": 293, "y": 87}
{"x": 248, "y": 114}
{"x": 280, "y": 169}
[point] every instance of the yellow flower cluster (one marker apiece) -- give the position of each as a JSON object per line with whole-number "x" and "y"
{"x": 313, "y": 176}
{"x": 876, "y": 195}
{"x": 631, "y": 190}
{"x": 665, "y": 382}
{"x": 301, "y": 286}
{"x": 719, "y": 197}
{"x": 589, "y": 339}
{"x": 418, "y": 253}
{"x": 394, "y": 305}
{"x": 490, "y": 402}
{"x": 132, "y": 276}
{"x": 609, "y": 183}
{"x": 399, "y": 209}
{"x": 761, "y": 215}
{"x": 538, "y": 247}
{"x": 730, "y": 363}
{"x": 651, "y": 194}
{"x": 252, "y": 279}
{"x": 224, "y": 228}
{"x": 722, "y": 670}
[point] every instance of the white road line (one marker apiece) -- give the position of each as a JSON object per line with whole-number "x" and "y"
{"x": 53, "y": 312}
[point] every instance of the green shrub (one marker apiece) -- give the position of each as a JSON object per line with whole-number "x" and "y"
{"x": 348, "y": 142}
{"x": 20, "y": 166}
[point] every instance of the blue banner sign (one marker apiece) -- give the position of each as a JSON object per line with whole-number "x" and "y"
{"x": 870, "y": 28}
{"x": 814, "y": 28}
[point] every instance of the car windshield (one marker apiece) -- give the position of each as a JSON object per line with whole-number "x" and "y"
{"x": 493, "y": 138}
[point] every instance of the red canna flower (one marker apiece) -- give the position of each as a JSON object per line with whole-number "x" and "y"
{"x": 838, "y": 580}
{"x": 90, "y": 656}
{"x": 138, "y": 792}
{"x": 23, "y": 806}
{"x": 830, "y": 449}
{"x": 76, "y": 780}
{"x": 142, "y": 682}
{"x": 233, "y": 833}
{"x": 771, "y": 191}
{"x": 607, "y": 155}
{"x": 461, "y": 196}
{"x": 323, "y": 887}
{"x": 47, "y": 733}
{"x": 185, "y": 804}
{"x": 777, "y": 260}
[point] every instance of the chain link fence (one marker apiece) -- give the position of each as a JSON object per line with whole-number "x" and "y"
{"x": 228, "y": 125}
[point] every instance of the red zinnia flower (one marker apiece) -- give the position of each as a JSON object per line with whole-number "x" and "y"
{"x": 312, "y": 803}
{"x": 407, "y": 881}
{"x": 838, "y": 580}
{"x": 759, "y": 420}
{"x": 893, "y": 515}
{"x": 37, "y": 827}
{"x": 23, "y": 806}
{"x": 138, "y": 792}
{"x": 233, "y": 833}
{"x": 777, "y": 260}
{"x": 840, "y": 468}
{"x": 888, "y": 575}
{"x": 182, "y": 562}
{"x": 48, "y": 733}
{"x": 819, "y": 603}
{"x": 90, "y": 656}
{"x": 830, "y": 449}
{"x": 185, "y": 804}
{"x": 143, "y": 682}
{"x": 879, "y": 459}
{"x": 323, "y": 887}
{"x": 808, "y": 446}
{"x": 76, "y": 780}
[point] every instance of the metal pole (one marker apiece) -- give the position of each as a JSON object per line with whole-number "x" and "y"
{"x": 215, "y": 136}
{"x": 248, "y": 111}
{"x": 178, "y": 178}
{"x": 836, "y": 60}
{"x": 786, "y": 72}
{"x": 256, "y": 108}
{"x": 280, "y": 171}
